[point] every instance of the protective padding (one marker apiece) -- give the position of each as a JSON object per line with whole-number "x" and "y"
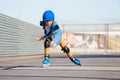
{"x": 66, "y": 49}
{"x": 47, "y": 43}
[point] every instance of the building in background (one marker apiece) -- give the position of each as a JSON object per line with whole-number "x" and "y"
{"x": 93, "y": 36}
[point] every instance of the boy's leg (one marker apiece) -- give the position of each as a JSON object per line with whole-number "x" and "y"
{"x": 65, "y": 48}
{"x": 69, "y": 54}
{"x": 46, "y": 51}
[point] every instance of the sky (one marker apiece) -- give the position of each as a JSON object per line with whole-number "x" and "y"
{"x": 66, "y": 11}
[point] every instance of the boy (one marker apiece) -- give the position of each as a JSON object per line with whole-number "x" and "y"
{"x": 53, "y": 33}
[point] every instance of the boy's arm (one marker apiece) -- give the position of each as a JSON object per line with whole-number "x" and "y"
{"x": 41, "y": 38}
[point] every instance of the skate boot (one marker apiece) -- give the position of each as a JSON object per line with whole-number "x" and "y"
{"x": 46, "y": 61}
{"x": 75, "y": 61}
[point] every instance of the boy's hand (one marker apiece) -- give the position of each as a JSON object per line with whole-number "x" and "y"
{"x": 38, "y": 39}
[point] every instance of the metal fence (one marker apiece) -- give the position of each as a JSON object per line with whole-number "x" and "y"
{"x": 17, "y": 37}
{"x": 93, "y": 37}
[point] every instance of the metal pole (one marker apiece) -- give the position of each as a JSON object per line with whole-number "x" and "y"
{"x": 106, "y": 38}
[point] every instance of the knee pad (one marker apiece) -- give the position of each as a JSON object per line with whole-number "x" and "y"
{"x": 46, "y": 44}
{"x": 66, "y": 49}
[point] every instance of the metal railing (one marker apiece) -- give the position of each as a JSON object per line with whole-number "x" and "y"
{"x": 106, "y": 37}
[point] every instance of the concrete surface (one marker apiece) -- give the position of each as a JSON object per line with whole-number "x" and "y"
{"x": 94, "y": 67}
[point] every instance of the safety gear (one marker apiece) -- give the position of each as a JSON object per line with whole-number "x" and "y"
{"x": 46, "y": 60}
{"x": 46, "y": 56}
{"x": 46, "y": 43}
{"x": 75, "y": 61}
{"x": 66, "y": 49}
{"x": 48, "y": 15}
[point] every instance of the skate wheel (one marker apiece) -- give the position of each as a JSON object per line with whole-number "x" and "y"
{"x": 45, "y": 65}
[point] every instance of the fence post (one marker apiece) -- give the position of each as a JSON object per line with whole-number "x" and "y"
{"x": 106, "y": 37}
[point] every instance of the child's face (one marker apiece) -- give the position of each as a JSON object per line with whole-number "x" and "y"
{"x": 48, "y": 23}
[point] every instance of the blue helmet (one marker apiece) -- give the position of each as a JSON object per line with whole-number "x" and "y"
{"x": 48, "y": 15}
